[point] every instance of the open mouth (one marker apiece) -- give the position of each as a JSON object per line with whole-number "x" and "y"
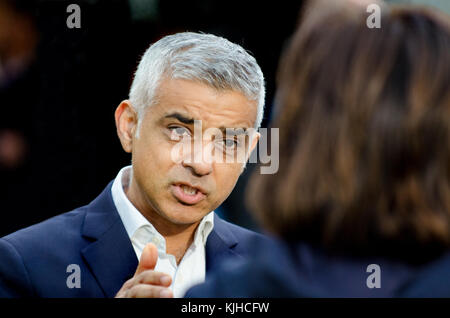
{"x": 187, "y": 194}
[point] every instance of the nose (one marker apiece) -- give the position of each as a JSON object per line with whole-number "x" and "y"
{"x": 200, "y": 160}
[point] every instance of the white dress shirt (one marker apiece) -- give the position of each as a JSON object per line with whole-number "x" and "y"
{"x": 191, "y": 269}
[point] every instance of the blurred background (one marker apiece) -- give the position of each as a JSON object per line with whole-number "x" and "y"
{"x": 59, "y": 88}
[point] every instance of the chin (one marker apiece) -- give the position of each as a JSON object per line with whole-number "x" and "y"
{"x": 185, "y": 214}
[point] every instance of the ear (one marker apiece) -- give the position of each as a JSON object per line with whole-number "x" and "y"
{"x": 126, "y": 124}
{"x": 253, "y": 142}
{"x": 255, "y": 138}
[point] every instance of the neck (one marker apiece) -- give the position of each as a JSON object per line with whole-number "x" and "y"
{"x": 178, "y": 236}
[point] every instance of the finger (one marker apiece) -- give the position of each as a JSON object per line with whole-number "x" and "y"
{"x": 148, "y": 291}
{"x": 151, "y": 277}
{"x": 148, "y": 259}
{"x": 148, "y": 277}
{"x": 128, "y": 284}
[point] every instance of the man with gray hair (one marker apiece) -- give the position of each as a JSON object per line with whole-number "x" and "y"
{"x": 153, "y": 231}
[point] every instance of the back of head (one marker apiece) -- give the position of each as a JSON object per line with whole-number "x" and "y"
{"x": 364, "y": 136}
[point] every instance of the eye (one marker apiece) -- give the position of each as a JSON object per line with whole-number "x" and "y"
{"x": 229, "y": 144}
{"x": 178, "y": 132}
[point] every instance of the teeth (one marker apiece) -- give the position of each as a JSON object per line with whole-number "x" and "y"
{"x": 188, "y": 190}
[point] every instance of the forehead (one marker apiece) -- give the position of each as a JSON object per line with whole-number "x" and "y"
{"x": 201, "y": 102}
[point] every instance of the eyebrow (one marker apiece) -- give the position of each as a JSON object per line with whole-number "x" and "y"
{"x": 190, "y": 121}
{"x": 181, "y": 118}
{"x": 233, "y": 131}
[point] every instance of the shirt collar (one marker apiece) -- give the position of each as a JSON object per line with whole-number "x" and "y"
{"x": 133, "y": 220}
{"x": 204, "y": 229}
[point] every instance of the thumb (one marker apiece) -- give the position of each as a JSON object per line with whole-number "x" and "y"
{"x": 148, "y": 259}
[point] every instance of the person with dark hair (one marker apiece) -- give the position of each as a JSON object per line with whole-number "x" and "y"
{"x": 360, "y": 205}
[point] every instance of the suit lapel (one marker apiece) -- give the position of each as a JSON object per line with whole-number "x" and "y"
{"x": 220, "y": 245}
{"x": 110, "y": 256}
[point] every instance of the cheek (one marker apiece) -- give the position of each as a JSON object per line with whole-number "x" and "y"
{"x": 152, "y": 157}
{"x": 226, "y": 177}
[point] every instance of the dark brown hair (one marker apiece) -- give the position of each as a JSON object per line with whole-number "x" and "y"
{"x": 364, "y": 126}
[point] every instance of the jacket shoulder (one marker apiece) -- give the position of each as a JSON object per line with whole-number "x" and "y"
{"x": 14, "y": 278}
{"x": 433, "y": 280}
{"x": 49, "y": 232}
{"x": 256, "y": 276}
{"x": 241, "y": 233}
{"x": 30, "y": 255}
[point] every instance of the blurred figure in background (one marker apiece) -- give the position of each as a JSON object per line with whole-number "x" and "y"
{"x": 18, "y": 44}
{"x": 56, "y": 84}
{"x": 364, "y": 179}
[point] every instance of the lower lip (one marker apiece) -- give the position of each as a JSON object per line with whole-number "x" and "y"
{"x": 178, "y": 192}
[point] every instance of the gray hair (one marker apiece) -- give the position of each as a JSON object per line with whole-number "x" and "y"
{"x": 200, "y": 57}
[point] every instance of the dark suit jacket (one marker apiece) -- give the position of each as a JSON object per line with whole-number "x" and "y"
{"x": 278, "y": 269}
{"x": 34, "y": 260}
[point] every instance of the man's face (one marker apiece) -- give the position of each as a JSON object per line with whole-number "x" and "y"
{"x": 182, "y": 191}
